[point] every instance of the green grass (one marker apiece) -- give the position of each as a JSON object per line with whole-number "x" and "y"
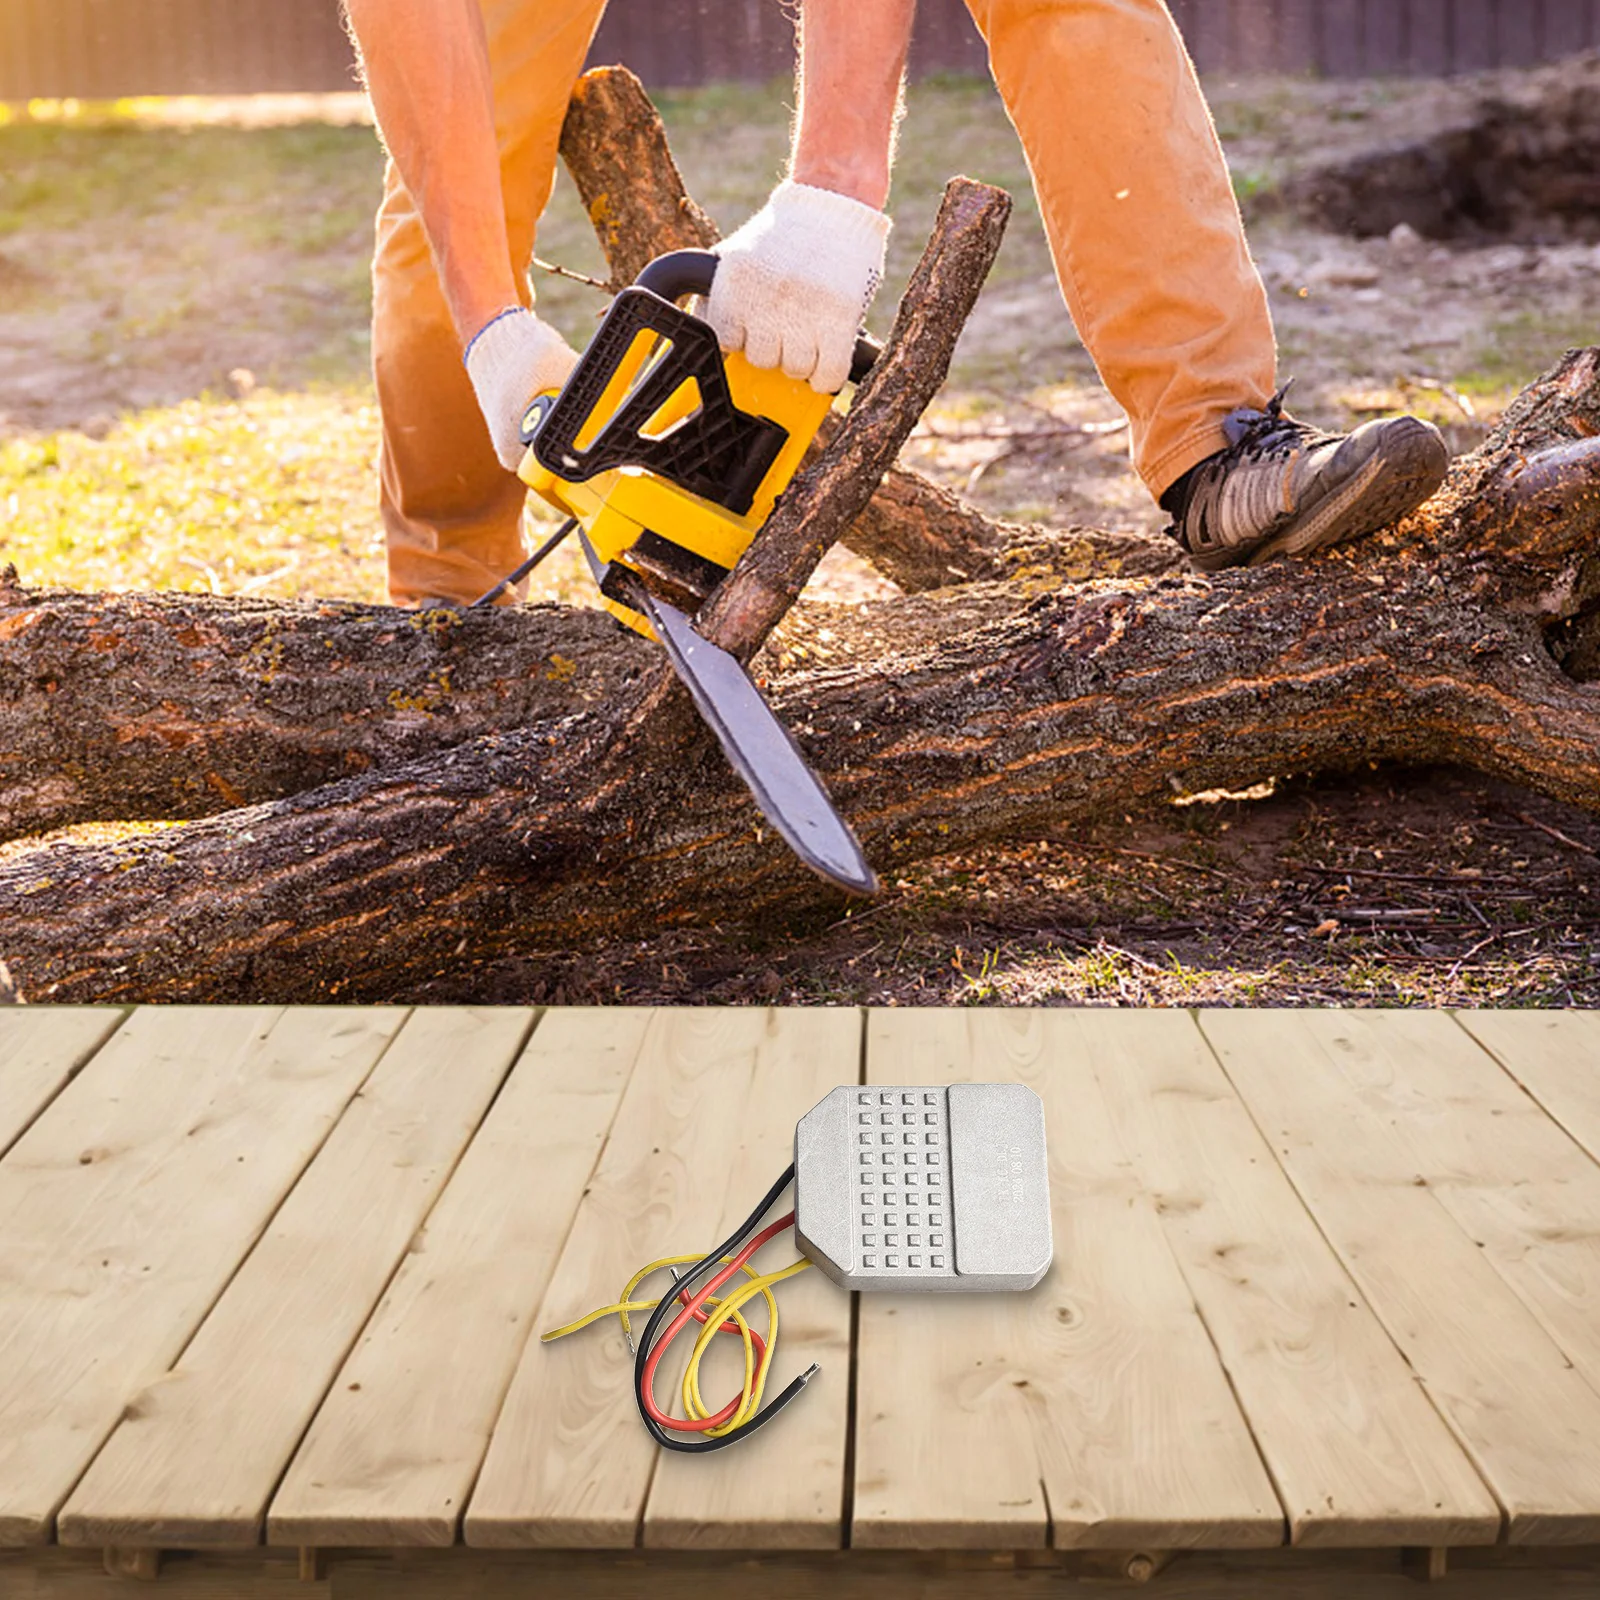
{"x": 142, "y": 264}
{"x": 208, "y": 494}
{"x": 146, "y": 259}
{"x": 1516, "y": 348}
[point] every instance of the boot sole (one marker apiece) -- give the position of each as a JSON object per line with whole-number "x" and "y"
{"x": 1390, "y": 486}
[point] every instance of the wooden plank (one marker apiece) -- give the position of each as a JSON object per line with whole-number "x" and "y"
{"x": 1383, "y": 37}
{"x": 707, "y": 1125}
{"x": 198, "y": 1454}
{"x": 1525, "y": 1416}
{"x": 1472, "y": 35}
{"x": 126, "y": 1207}
{"x": 1525, "y": 1193}
{"x": 841, "y": 1575}
{"x": 1210, "y": 36}
{"x": 1428, "y": 37}
{"x": 1553, "y": 1055}
{"x": 394, "y": 1449}
{"x": 52, "y": 1574}
{"x": 1091, "y": 1411}
{"x": 945, "y": 39}
{"x": 1519, "y": 33}
{"x": 41, "y": 1047}
{"x": 1185, "y": 14}
{"x": 1297, "y": 36}
{"x": 1255, "y": 36}
{"x": 1359, "y": 1455}
{"x": 1344, "y": 50}
{"x": 782, "y": 1489}
{"x": 1568, "y": 27}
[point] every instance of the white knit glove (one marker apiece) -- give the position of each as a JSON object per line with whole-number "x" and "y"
{"x": 794, "y": 283}
{"x": 512, "y": 358}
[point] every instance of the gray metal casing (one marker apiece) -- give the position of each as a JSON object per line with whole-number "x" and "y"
{"x": 932, "y": 1187}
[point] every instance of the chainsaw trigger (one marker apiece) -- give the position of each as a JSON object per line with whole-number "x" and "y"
{"x": 533, "y": 417}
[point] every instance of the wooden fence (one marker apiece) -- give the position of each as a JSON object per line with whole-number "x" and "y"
{"x": 97, "y": 49}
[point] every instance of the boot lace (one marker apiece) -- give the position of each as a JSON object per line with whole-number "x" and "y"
{"x": 1254, "y": 437}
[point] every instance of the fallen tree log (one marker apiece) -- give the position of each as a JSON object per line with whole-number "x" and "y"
{"x": 138, "y": 707}
{"x": 170, "y": 707}
{"x": 142, "y": 707}
{"x": 1427, "y": 643}
{"x": 219, "y": 887}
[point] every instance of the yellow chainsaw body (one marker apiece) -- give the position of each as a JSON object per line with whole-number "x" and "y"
{"x": 617, "y": 506}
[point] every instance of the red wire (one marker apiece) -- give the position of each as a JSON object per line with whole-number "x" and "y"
{"x": 691, "y": 1309}
{"x": 730, "y": 1326}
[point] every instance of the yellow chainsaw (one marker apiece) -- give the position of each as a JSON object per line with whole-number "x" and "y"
{"x": 667, "y": 456}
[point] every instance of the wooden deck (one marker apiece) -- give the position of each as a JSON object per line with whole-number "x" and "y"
{"x": 1325, "y": 1308}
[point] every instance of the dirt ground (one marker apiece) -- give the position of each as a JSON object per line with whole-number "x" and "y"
{"x": 184, "y": 402}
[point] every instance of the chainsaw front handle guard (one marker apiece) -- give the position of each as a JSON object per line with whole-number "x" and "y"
{"x": 684, "y": 272}
{"x": 672, "y": 277}
{"x": 718, "y": 451}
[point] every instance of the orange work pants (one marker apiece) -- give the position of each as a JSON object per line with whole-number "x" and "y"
{"x": 1137, "y": 203}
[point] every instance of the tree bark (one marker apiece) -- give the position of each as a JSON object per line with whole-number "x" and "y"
{"x": 615, "y": 146}
{"x": 135, "y": 707}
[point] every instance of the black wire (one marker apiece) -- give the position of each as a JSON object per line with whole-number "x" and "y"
{"x": 489, "y": 596}
{"x": 665, "y": 1308}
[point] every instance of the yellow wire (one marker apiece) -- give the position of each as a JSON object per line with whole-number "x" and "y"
{"x": 624, "y": 1303}
{"x": 750, "y": 1397}
{"x": 728, "y": 1308}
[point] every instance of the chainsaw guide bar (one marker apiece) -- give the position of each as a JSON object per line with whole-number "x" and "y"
{"x": 758, "y": 747}
{"x": 668, "y": 455}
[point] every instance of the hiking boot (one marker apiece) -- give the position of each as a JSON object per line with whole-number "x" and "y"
{"x": 1282, "y": 488}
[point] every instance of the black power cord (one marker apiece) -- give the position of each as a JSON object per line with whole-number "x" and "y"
{"x": 489, "y": 596}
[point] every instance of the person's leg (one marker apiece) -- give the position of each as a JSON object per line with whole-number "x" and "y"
{"x": 1140, "y": 214}
{"x": 451, "y": 512}
{"x": 1151, "y": 256}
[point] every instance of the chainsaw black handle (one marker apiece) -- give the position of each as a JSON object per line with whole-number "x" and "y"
{"x": 682, "y": 272}
{"x": 678, "y": 273}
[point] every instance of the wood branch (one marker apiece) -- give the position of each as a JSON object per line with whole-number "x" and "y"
{"x": 402, "y": 883}
{"x": 913, "y": 531}
{"x": 827, "y": 496}
{"x": 924, "y": 537}
{"x": 615, "y": 147}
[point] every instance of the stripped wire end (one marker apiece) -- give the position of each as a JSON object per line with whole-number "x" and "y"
{"x": 745, "y": 1412}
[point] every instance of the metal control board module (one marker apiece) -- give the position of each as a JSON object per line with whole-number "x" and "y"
{"x": 942, "y": 1187}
